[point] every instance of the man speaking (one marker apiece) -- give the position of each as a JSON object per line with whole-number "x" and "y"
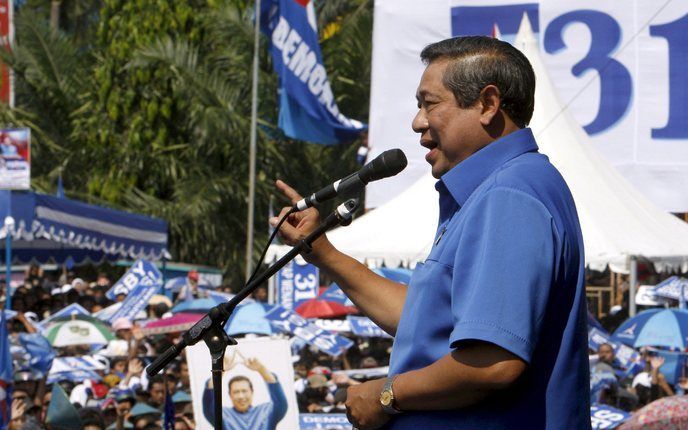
{"x": 491, "y": 331}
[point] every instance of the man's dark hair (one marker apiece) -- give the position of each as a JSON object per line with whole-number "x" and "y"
{"x": 478, "y": 61}
{"x": 157, "y": 379}
{"x": 239, "y": 378}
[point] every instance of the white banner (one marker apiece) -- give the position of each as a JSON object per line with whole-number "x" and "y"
{"x": 617, "y": 66}
{"x": 249, "y": 404}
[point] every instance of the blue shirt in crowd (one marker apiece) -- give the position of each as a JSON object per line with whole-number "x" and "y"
{"x": 507, "y": 268}
{"x": 264, "y": 416}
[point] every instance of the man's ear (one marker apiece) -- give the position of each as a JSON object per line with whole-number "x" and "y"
{"x": 490, "y": 100}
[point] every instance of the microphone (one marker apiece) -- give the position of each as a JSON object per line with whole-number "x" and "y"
{"x": 387, "y": 164}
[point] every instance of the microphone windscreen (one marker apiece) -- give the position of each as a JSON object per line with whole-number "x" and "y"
{"x": 387, "y": 164}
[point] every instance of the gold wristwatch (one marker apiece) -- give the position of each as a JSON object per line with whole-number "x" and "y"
{"x": 387, "y": 398}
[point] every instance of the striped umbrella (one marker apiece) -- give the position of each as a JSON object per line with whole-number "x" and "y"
{"x": 180, "y": 322}
{"x": 655, "y": 327}
{"x": 78, "y": 331}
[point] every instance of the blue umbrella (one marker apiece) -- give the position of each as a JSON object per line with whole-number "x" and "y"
{"x": 249, "y": 318}
{"x": 655, "y": 327}
{"x": 197, "y": 305}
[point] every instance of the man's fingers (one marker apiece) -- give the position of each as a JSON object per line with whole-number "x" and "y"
{"x": 288, "y": 191}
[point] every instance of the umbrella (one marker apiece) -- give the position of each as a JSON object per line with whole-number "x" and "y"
{"x": 78, "y": 331}
{"x": 197, "y": 305}
{"x": 319, "y": 308}
{"x": 180, "y": 322}
{"x": 665, "y": 414}
{"x": 655, "y": 327}
{"x": 249, "y": 318}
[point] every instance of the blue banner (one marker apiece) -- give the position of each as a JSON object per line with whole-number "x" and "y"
{"x": 135, "y": 302}
{"x": 365, "y": 327}
{"x": 141, "y": 273}
{"x": 296, "y": 284}
{"x": 324, "y": 421}
{"x": 290, "y": 322}
{"x": 41, "y": 353}
{"x": 606, "y": 417}
{"x": 671, "y": 288}
{"x": 308, "y": 110}
{"x": 335, "y": 294}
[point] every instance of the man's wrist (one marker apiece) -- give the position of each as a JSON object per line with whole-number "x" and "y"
{"x": 387, "y": 397}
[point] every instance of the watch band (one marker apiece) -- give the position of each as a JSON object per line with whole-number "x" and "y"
{"x": 387, "y": 397}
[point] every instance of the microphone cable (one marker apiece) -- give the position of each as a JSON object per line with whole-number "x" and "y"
{"x": 272, "y": 237}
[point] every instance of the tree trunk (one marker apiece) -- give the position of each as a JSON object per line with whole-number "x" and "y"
{"x": 55, "y": 15}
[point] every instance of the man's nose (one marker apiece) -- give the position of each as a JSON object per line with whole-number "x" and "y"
{"x": 420, "y": 121}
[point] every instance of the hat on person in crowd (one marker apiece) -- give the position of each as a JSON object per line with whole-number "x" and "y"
{"x": 125, "y": 394}
{"x": 321, "y": 370}
{"x": 66, "y": 288}
{"x": 317, "y": 381}
{"x": 181, "y": 397}
{"x": 122, "y": 323}
{"x": 78, "y": 282}
{"x": 141, "y": 409}
{"x": 113, "y": 426}
{"x": 61, "y": 413}
{"x": 111, "y": 380}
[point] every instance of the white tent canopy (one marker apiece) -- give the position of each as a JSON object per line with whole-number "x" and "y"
{"x": 617, "y": 221}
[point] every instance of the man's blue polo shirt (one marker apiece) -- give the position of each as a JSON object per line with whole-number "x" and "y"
{"x": 507, "y": 268}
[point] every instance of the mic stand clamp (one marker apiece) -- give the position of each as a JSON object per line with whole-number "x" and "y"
{"x": 211, "y": 327}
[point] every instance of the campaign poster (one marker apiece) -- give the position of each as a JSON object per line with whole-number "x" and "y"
{"x": 15, "y": 159}
{"x": 257, "y": 385}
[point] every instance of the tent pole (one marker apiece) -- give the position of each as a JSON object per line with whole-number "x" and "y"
{"x": 632, "y": 281}
{"x": 8, "y": 252}
{"x": 252, "y": 147}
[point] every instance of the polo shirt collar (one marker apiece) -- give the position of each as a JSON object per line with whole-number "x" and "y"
{"x": 465, "y": 177}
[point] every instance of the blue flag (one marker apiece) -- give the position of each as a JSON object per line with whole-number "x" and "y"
{"x": 168, "y": 419}
{"x": 308, "y": 110}
{"x": 6, "y": 373}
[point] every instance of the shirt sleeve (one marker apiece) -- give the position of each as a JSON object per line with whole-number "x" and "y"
{"x": 279, "y": 403}
{"x": 503, "y": 272}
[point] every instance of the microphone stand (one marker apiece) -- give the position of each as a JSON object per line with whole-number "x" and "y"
{"x": 210, "y": 328}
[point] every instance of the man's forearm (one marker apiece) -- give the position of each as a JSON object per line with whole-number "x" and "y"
{"x": 462, "y": 378}
{"x": 379, "y": 298}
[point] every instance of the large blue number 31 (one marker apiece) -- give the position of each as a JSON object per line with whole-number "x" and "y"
{"x": 676, "y": 35}
{"x": 615, "y": 80}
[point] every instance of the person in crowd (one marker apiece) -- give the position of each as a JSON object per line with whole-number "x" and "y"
{"x": 316, "y": 397}
{"x": 191, "y": 290}
{"x": 506, "y": 268}
{"x": 156, "y": 392}
{"x": 616, "y": 394}
{"x": 651, "y": 384}
{"x": 243, "y": 415}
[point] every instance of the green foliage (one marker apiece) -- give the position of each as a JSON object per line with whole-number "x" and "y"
{"x": 152, "y": 114}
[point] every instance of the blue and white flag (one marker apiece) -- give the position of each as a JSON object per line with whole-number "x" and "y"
{"x": 141, "y": 273}
{"x": 308, "y": 110}
{"x": 672, "y": 287}
{"x": 324, "y": 421}
{"x": 291, "y": 322}
{"x": 365, "y": 327}
{"x": 606, "y": 417}
{"x": 297, "y": 283}
{"x": 335, "y": 294}
{"x": 41, "y": 353}
{"x": 135, "y": 302}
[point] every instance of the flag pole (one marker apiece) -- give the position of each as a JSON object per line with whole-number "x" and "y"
{"x": 252, "y": 146}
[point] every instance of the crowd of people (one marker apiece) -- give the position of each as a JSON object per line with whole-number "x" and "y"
{"x": 123, "y": 396}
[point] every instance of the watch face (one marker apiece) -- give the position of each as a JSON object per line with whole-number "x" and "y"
{"x": 386, "y": 398}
